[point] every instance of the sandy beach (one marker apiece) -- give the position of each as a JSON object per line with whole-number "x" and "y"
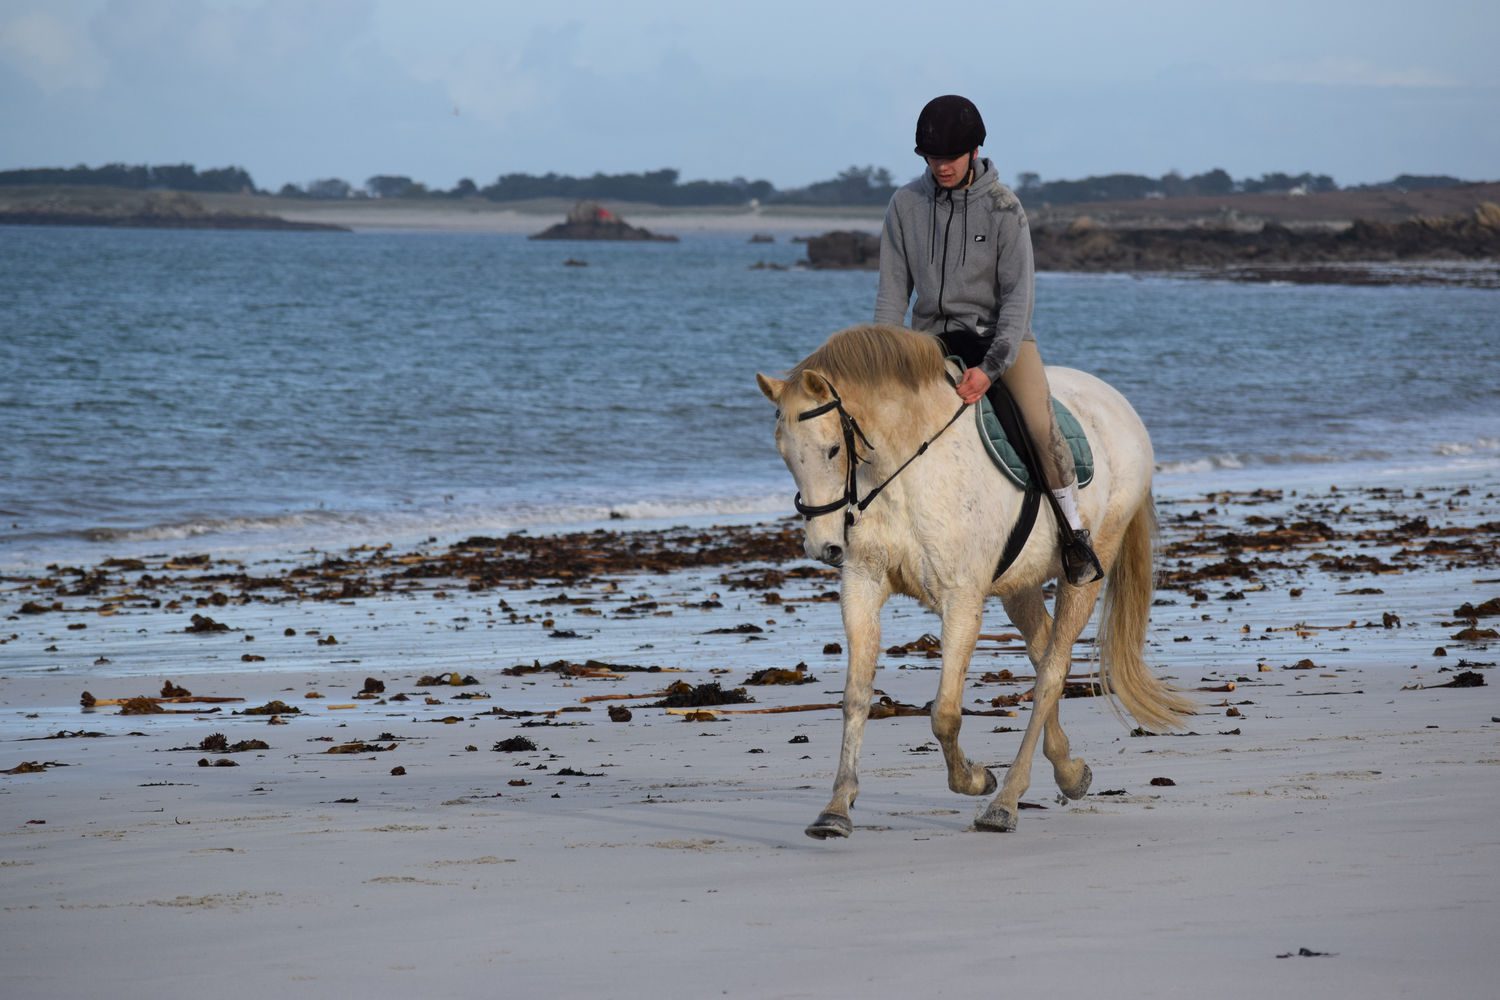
{"x": 488, "y": 217}
{"x": 1326, "y": 829}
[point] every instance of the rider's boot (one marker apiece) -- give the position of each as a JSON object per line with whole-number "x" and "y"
{"x": 1080, "y": 565}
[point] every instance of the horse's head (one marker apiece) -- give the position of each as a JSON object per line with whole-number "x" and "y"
{"x": 885, "y": 370}
{"x": 813, "y": 434}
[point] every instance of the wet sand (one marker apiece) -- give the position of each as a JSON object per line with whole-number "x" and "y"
{"x": 398, "y": 834}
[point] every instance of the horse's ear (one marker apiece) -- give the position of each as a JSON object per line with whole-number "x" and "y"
{"x": 770, "y": 386}
{"x": 815, "y": 385}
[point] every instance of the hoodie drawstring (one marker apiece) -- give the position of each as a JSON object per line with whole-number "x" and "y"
{"x": 963, "y": 254}
{"x": 932, "y": 231}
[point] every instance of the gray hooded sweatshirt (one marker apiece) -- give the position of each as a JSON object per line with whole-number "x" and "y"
{"x": 967, "y": 253}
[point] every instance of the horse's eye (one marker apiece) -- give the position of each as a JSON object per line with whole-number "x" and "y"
{"x": 833, "y": 451}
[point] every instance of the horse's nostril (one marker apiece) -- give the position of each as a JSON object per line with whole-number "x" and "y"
{"x": 833, "y": 555}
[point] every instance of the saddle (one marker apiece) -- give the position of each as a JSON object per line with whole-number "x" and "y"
{"x": 1010, "y": 448}
{"x": 997, "y": 441}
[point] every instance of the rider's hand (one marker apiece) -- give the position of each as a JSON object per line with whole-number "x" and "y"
{"x": 973, "y": 385}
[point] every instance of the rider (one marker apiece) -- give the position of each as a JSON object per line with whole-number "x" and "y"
{"x": 960, "y": 239}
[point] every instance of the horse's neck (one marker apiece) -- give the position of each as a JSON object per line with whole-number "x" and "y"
{"x": 900, "y": 423}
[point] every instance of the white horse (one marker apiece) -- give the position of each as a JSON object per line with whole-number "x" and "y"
{"x": 852, "y": 419}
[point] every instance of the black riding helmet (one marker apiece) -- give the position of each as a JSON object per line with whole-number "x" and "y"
{"x": 949, "y": 126}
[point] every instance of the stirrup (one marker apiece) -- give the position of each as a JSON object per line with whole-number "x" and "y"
{"x": 1080, "y": 565}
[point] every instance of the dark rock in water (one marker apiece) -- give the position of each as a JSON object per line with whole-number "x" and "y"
{"x": 844, "y": 250}
{"x": 589, "y": 220}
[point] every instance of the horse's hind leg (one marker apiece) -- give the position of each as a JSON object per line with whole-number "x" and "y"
{"x": 1074, "y": 605}
{"x": 961, "y": 618}
{"x": 1028, "y": 612}
{"x": 860, "y": 604}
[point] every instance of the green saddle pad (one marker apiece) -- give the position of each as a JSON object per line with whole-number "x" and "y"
{"x": 1008, "y": 461}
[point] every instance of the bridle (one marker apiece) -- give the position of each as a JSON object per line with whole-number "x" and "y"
{"x": 851, "y": 502}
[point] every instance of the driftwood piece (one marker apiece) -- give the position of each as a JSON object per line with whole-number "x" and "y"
{"x": 757, "y": 711}
{"x": 89, "y": 701}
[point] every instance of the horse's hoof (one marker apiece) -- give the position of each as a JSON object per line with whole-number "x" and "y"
{"x": 1079, "y": 788}
{"x": 830, "y": 825}
{"x": 959, "y": 786}
{"x": 996, "y": 819}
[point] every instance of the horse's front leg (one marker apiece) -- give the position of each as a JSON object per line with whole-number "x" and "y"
{"x": 860, "y": 602}
{"x": 961, "y": 620}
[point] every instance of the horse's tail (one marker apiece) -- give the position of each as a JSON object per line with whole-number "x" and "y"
{"x": 1128, "y": 592}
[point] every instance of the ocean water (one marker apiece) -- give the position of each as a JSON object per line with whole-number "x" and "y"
{"x": 170, "y": 391}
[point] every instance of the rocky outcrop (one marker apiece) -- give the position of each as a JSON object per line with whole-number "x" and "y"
{"x": 1264, "y": 253}
{"x": 589, "y": 220}
{"x": 1473, "y": 235}
{"x": 159, "y": 210}
{"x": 844, "y": 250}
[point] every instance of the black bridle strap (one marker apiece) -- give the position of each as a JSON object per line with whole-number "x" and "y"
{"x": 1030, "y": 502}
{"x": 869, "y": 497}
{"x": 851, "y": 489}
{"x": 851, "y": 501}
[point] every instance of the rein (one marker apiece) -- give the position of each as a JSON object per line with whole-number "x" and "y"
{"x": 851, "y": 502}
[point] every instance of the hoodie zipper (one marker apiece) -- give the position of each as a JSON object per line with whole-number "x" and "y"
{"x": 943, "y": 268}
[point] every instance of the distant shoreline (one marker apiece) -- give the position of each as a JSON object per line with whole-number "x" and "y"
{"x": 1276, "y": 238}
{"x": 147, "y": 221}
{"x": 1327, "y": 211}
{"x": 530, "y": 218}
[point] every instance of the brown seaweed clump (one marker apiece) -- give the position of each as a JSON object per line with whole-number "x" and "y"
{"x": 451, "y": 680}
{"x": 219, "y": 743}
{"x": 272, "y": 708}
{"x": 779, "y": 675}
{"x": 681, "y": 694}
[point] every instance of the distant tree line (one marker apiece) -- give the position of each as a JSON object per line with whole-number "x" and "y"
{"x": 1130, "y": 187}
{"x": 867, "y": 186}
{"x": 656, "y": 187}
{"x": 179, "y": 177}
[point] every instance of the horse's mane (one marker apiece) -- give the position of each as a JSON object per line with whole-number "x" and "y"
{"x": 869, "y": 356}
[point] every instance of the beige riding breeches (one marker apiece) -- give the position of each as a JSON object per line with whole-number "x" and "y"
{"x": 1027, "y": 382}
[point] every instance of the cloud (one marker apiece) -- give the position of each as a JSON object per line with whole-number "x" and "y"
{"x": 51, "y": 53}
{"x": 247, "y": 47}
{"x": 1334, "y": 72}
{"x": 496, "y": 84}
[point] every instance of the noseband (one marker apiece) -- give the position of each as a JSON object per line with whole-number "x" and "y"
{"x": 851, "y": 502}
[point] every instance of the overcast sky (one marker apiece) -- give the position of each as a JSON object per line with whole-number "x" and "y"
{"x": 790, "y": 91}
